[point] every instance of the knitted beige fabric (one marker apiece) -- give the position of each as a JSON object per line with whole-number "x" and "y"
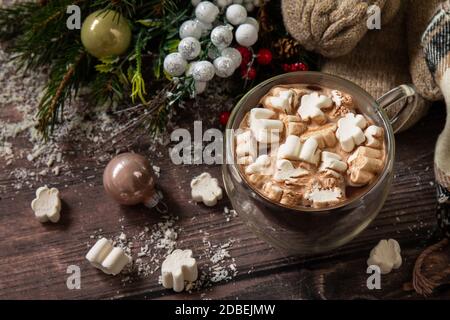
{"x": 418, "y": 17}
{"x": 331, "y": 27}
{"x": 380, "y": 63}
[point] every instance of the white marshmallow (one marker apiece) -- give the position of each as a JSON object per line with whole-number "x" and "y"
{"x": 336, "y": 96}
{"x": 47, "y": 205}
{"x": 286, "y": 170}
{"x": 293, "y": 149}
{"x": 281, "y": 102}
{"x": 332, "y": 161}
{"x": 323, "y": 197}
{"x": 290, "y": 149}
{"x": 246, "y": 145}
{"x": 178, "y": 267}
{"x": 311, "y": 107}
{"x": 265, "y": 129}
{"x": 373, "y": 134}
{"x": 349, "y": 132}
{"x": 310, "y": 152}
{"x": 206, "y": 189}
{"x": 104, "y": 256}
{"x": 386, "y": 255}
{"x": 260, "y": 166}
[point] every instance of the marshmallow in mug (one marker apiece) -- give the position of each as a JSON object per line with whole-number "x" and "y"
{"x": 315, "y": 141}
{"x": 286, "y": 170}
{"x": 350, "y": 131}
{"x": 364, "y": 165}
{"x": 321, "y": 197}
{"x": 294, "y": 149}
{"x": 282, "y": 101}
{"x": 265, "y": 128}
{"x": 311, "y": 106}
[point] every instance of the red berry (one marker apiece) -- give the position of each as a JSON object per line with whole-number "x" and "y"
{"x": 248, "y": 73}
{"x": 246, "y": 55}
{"x": 264, "y": 56}
{"x": 223, "y": 118}
{"x": 298, "y": 66}
{"x": 302, "y": 66}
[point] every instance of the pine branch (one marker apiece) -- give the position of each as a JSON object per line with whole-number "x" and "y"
{"x": 65, "y": 80}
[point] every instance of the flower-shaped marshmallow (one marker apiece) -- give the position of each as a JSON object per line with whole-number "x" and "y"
{"x": 206, "y": 189}
{"x": 350, "y": 131}
{"x": 386, "y": 255}
{"x": 179, "y": 266}
{"x": 47, "y": 205}
{"x": 311, "y": 107}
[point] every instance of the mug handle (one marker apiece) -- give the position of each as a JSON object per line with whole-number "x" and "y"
{"x": 401, "y": 116}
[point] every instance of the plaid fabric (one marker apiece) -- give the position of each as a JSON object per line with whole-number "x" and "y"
{"x": 436, "y": 41}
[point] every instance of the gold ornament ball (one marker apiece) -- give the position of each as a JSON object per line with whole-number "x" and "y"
{"x": 105, "y": 33}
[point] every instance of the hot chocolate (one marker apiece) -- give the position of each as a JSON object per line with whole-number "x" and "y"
{"x": 309, "y": 146}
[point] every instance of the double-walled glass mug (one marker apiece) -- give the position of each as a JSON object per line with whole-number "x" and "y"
{"x": 302, "y": 230}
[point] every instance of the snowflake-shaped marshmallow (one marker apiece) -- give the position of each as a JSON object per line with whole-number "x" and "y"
{"x": 47, "y": 205}
{"x": 179, "y": 266}
{"x": 350, "y": 131}
{"x": 311, "y": 107}
{"x": 281, "y": 101}
{"x": 206, "y": 189}
{"x": 386, "y": 255}
{"x": 286, "y": 170}
{"x": 104, "y": 256}
{"x": 321, "y": 197}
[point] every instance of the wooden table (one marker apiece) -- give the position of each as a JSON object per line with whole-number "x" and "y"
{"x": 34, "y": 257}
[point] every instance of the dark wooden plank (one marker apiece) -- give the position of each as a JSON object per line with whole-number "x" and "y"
{"x": 34, "y": 257}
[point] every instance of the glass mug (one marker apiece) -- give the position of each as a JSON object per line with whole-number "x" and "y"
{"x": 305, "y": 231}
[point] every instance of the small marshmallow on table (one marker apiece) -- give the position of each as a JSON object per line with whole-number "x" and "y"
{"x": 206, "y": 189}
{"x": 47, "y": 205}
{"x": 104, "y": 256}
{"x": 178, "y": 267}
{"x": 386, "y": 255}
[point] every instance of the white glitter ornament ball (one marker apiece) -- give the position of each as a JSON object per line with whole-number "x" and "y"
{"x": 174, "y": 64}
{"x": 253, "y": 22}
{"x": 224, "y": 3}
{"x": 246, "y": 35}
{"x": 195, "y": 2}
{"x": 189, "y": 48}
{"x": 224, "y": 67}
{"x": 236, "y": 14}
{"x": 222, "y": 36}
{"x": 190, "y": 28}
{"x": 206, "y": 11}
{"x": 234, "y": 55}
{"x": 203, "y": 71}
{"x": 200, "y": 86}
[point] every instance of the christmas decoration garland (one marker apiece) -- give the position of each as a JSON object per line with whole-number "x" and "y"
{"x": 145, "y": 55}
